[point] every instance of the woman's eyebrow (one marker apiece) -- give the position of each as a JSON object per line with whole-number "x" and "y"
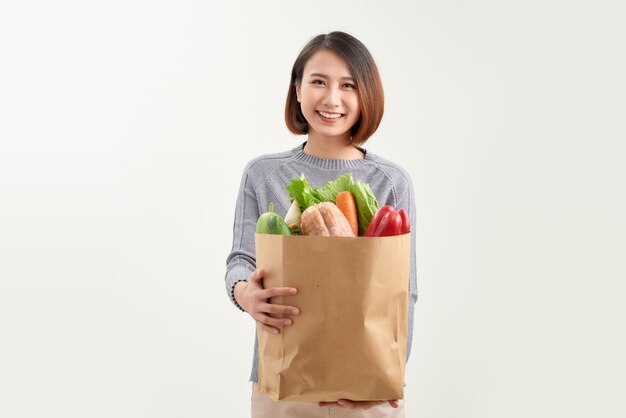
{"x": 325, "y": 76}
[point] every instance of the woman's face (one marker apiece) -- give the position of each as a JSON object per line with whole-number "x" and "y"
{"x": 328, "y": 96}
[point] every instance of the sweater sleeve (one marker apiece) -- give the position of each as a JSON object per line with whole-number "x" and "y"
{"x": 241, "y": 262}
{"x": 406, "y": 201}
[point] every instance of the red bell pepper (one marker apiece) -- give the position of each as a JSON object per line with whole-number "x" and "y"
{"x": 406, "y": 224}
{"x": 388, "y": 222}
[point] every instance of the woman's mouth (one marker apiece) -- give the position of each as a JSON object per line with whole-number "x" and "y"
{"x": 329, "y": 117}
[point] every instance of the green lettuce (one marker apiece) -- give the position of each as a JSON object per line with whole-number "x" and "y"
{"x": 366, "y": 203}
{"x": 301, "y": 190}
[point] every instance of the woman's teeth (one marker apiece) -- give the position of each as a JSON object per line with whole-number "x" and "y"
{"x": 331, "y": 115}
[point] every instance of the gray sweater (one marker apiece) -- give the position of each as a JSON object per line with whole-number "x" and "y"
{"x": 265, "y": 179}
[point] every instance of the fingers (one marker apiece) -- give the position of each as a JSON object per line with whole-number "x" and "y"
{"x": 269, "y": 316}
{"x": 257, "y": 276}
{"x": 278, "y": 291}
{"x": 278, "y": 310}
{"x": 364, "y": 405}
{"x": 273, "y": 325}
{"x": 269, "y": 329}
{"x": 328, "y": 404}
{"x": 273, "y": 322}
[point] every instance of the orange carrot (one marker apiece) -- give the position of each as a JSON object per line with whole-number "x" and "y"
{"x": 346, "y": 204}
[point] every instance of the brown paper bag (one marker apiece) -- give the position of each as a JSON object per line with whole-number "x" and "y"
{"x": 349, "y": 340}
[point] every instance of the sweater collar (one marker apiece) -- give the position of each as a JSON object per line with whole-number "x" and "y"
{"x": 328, "y": 163}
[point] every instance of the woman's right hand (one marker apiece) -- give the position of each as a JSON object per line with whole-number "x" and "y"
{"x": 253, "y": 298}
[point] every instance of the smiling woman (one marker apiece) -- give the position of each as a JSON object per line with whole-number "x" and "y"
{"x": 327, "y": 99}
{"x": 336, "y": 98}
{"x": 335, "y": 74}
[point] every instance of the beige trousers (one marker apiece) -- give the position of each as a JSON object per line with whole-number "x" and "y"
{"x": 264, "y": 407}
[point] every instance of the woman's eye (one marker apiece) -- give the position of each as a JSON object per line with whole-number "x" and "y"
{"x": 317, "y": 81}
{"x": 352, "y": 86}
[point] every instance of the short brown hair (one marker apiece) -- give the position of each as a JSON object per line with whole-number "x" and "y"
{"x": 365, "y": 73}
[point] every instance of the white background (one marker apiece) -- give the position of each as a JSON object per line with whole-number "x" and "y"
{"x": 125, "y": 127}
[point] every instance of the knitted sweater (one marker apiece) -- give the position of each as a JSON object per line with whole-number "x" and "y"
{"x": 265, "y": 179}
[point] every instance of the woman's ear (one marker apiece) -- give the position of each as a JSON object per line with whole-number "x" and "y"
{"x": 298, "y": 92}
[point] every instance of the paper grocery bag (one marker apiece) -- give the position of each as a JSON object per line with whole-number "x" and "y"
{"x": 349, "y": 340}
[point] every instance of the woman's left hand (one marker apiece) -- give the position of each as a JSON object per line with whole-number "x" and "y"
{"x": 365, "y": 405}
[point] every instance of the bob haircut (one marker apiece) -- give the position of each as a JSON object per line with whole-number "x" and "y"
{"x": 367, "y": 79}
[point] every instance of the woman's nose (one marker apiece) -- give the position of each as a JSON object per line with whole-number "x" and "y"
{"x": 333, "y": 97}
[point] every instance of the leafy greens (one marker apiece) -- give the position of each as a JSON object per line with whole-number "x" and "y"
{"x": 366, "y": 203}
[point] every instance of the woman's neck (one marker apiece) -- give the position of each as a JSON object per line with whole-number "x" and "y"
{"x": 332, "y": 149}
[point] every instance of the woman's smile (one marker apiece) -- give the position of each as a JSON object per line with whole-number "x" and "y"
{"x": 329, "y": 117}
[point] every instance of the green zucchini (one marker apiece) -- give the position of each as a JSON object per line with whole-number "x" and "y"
{"x": 272, "y": 223}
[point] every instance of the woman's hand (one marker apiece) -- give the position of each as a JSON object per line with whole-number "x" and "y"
{"x": 252, "y": 297}
{"x": 365, "y": 405}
